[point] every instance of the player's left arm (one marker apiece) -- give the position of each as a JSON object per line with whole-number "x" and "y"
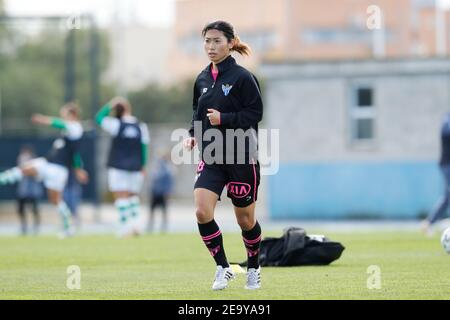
{"x": 74, "y": 131}
{"x": 145, "y": 141}
{"x": 78, "y": 165}
{"x": 252, "y": 110}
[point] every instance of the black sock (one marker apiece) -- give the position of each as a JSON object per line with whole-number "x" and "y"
{"x": 252, "y": 240}
{"x": 212, "y": 237}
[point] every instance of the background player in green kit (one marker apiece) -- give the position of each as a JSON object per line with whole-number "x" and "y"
{"x": 53, "y": 170}
{"x": 126, "y": 161}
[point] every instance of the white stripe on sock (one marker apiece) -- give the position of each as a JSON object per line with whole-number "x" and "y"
{"x": 65, "y": 214}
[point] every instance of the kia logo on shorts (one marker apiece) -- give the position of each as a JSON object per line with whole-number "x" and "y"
{"x": 238, "y": 189}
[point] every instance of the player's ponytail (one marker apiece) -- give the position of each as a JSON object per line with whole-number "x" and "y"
{"x": 121, "y": 107}
{"x": 241, "y": 47}
{"x": 228, "y": 31}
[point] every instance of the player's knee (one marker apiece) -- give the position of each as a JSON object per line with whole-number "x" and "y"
{"x": 245, "y": 222}
{"x": 203, "y": 215}
{"x": 54, "y": 197}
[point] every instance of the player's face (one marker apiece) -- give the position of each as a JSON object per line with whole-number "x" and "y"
{"x": 216, "y": 45}
{"x": 64, "y": 114}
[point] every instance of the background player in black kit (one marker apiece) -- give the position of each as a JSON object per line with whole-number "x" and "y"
{"x": 227, "y": 97}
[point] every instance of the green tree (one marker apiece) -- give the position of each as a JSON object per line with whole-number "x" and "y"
{"x": 3, "y": 29}
{"x": 158, "y": 104}
{"x": 32, "y": 73}
{"x": 2, "y": 26}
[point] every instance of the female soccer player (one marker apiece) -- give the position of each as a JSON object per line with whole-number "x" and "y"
{"x": 53, "y": 170}
{"x": 227, "y": 97}
{"x": 127, "y": 161}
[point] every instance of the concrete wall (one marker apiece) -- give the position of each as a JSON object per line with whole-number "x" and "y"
{"x": 326, "y": 174}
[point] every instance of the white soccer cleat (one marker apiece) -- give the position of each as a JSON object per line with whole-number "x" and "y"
{"x": 223, "y": 275}
{"x": 136, "y": 226}
{"x": 70, "y": 232}
{"x": 253, "y": 279}
{"x": 124, "y": 232}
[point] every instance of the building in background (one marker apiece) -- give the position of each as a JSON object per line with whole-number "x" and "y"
{"x": 138, "y": 55}
{"x": 365, "y": 106}
{"x": 310, "y": 30}
{"x": 367, "y": 137}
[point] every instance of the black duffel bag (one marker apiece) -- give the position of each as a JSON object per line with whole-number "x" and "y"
{"x": 296, "y": 248}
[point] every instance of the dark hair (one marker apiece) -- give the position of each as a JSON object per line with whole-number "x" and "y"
{"x": 228, "y": 31}
{"x": 27, "y": 148}
{"x": 119, "y": 110}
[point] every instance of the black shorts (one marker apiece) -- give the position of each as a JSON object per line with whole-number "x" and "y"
{"x": 158, "y": 201}
{"x": 241, "y": 181}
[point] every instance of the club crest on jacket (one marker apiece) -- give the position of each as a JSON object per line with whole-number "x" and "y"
{"x": 226, "y": 88}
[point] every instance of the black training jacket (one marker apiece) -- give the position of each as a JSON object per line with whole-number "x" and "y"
{"x": 236, "y": 95}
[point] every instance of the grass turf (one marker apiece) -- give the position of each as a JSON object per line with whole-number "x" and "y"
{"x": 178, "y": 266}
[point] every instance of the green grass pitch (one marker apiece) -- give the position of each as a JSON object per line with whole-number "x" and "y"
{"x": 178, "y": 266}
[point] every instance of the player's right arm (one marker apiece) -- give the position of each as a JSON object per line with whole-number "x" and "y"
{"x": 107, "y": 123}
{"x": 103, "y": 113}
{"x": 189, "y": 143}
{"x": 53, "y": 122}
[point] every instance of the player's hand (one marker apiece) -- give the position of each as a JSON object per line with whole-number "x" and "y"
{"x": 115, "y": 101}
{"x": 82, "y": 176}
{"x": 189, "y": 143}
{"x": 38, "y": 119}
{"x": 214, "y": 117}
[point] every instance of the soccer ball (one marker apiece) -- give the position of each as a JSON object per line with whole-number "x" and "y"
{"x": 445, "y": 240}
